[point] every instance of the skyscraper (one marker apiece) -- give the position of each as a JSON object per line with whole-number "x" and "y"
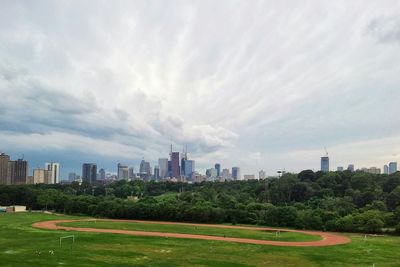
{"x": 392, "y": 167}
{"x": 386, "y": 169}
{"x": 163, "y": 166}
{"x": 102, "y": 174}
{"x": 217, "y": 166}
{"x": 175, "y": 169}
{"x": 89, "y": 172}
{"x": 156, "y": 173}
{"x": 42, "y": 176}
{"x": 350, "y": 167}
{"x": 132, "y": 174}
{"x": 262, "y": 175}
{"x": 189, "y": 168}
{"x": 236, "y": 173}
{"x": 225, "y": 174}
{"x": 123, "y": 172}
{"x": 71, "y": 176}
{"x": 145, "y": 170}
{"x": 18, "y": 171}
{"x": 55, "y": 171}
{"x": 325, "y": 164}
{"x": 4, "y": 177}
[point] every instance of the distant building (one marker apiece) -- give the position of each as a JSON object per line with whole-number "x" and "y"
{"x": 189, "y": 168}
{"x": 372, "y": 170}
{"x": 175, "y": 168}
{"x": 350, "y": 167}
{"x": 131, "y": 172}
{"x": 217, "y": 166}
{"x": 43, "y": 176}
{"x": 71, "y": 176}
{"x": 225, "y": 175}
{"x": 339, "y": 169}
{"x": 386, "y": 169}
{"x": 18, "y": 171}
{"x": 211, "y": 173}
{"x": 262, "y": 175}
{"x": 392, "y": 167}
{"x": 236, "y": 173}
{"x": 4, "y": 177}
{"x": 163, "y": 166}
{"x": 123, "y": 172}
{"x": 145, "y": 170}
{"x": 325, "y": 164}
{"x": 102, "y": 174}
{"x": 156, "y": 173}
{"x": 249, "y": 177}
{"x": 55, "y": 170}
{"x": 89, "y": 172}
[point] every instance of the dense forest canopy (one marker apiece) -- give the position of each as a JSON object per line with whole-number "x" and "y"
{"x": 333, "y": 201}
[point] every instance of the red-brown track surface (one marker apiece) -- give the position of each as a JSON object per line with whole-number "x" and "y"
{"x": 328, "y": 239}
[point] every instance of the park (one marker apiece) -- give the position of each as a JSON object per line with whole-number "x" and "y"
{"x": 33, "y": 239}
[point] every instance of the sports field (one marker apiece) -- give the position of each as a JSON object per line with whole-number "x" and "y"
{"x": 20, "y": 244}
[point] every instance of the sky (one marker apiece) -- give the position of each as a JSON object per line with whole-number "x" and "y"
{"x": 255, "y": 84}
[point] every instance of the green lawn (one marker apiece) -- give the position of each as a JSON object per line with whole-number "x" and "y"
{"x": 19, "y": 241}
{"x": 186, "y": 229}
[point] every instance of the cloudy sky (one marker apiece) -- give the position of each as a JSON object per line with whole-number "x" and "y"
{"x": 256, "y": 84}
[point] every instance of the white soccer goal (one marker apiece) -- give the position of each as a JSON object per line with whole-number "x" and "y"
{"x": 68, "y": 237}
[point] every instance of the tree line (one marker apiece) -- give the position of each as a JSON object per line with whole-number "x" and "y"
{"x": 333, "y": 201}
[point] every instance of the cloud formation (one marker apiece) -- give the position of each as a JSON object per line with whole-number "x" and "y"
{"x": 256, "y": 84}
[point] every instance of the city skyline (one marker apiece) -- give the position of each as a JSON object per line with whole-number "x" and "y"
{"x": 256, "y": 85}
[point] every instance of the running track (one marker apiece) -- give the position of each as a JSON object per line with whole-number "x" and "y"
{"x": 328, "y": 239}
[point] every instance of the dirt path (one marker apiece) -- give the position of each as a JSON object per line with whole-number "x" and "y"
{"x": 328, "y": 239}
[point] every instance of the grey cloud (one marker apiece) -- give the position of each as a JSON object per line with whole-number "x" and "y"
{"x": 385, "y": 29}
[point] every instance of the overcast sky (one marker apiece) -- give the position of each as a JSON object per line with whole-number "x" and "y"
{"x": 256, "y": 84}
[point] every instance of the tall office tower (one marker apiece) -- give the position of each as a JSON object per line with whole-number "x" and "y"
{"x": 189, "y": 168}
{"x": 102, "y": 174}
{"x": 262, "y": 175}
{"x": 169, "y": 169}
{"x": 89, "y": 172}
{"x": 236, "y": 173}
{"x": 71, "y": 176}
{"x": 156, "y": 173}
{"x": 339, "y": 169}
{"x": 386, "y": 169}
{"x": 123, "y": 172}
{"x": 4, "y": 178}
{"x": 217, "y": 166}
{"x": 225, "y": 174}
{"x": 392, "y": 167}
{"x": 163, "y": 166}
{"x": 18, "y": 171}
{"x": 145, "y": 169}
{"x": 211, "y": 173}
{"x": 325, "y": 164}
{"x": 350, "y": 167}
{"x": 175, "y": 169}
{"x": 55, "y": 170}
{"x": 42, "y": 176}
{"x": 132, "y": 173}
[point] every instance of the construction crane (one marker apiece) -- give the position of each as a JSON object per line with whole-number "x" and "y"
{"x": 326, "y": 151}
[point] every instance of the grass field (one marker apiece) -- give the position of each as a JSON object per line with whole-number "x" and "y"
{"x": 19, "y": 241}
{"x": 186, "y": 229}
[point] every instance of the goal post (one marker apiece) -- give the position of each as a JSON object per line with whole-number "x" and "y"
{"x": 71, "y": 237}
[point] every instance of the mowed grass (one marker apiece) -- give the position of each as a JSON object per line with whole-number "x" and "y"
{"x": 19, "y": 241}
{"x": 196, "y": 230}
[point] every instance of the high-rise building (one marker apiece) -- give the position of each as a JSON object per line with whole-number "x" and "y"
{"x": 392, "y": 167}
{"x": 132, "y": 174}
{"x": 225, "y": 175}
{"x": 325, "y": 164}
{"x": 156, "y": 173}
{"x": 42, "y": 176}
{"x": 386, "y": 169}
{"x": 372, "y": 170}
{"x": 18, "y": 171}
{"x": 217, "y": 166}
{"x": 189, "y": 168}
{"x": 123, "y": 172}
{"x": 55, "y": 170}
{"x": 175, "y": 169}
{"x": 211, "y": 173}
{"x": 163, "y": 166}
{"x": 236, "y": 173}
{"x": 102, "y": 174}
{"x": 339, "y": 169}
{"x": 350, "y": 167}
{"x": 145, "y": 170}
{"x": 4, "y": 177}
{"x": 89, "y": 172}
{"x": 262, "y": 175}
